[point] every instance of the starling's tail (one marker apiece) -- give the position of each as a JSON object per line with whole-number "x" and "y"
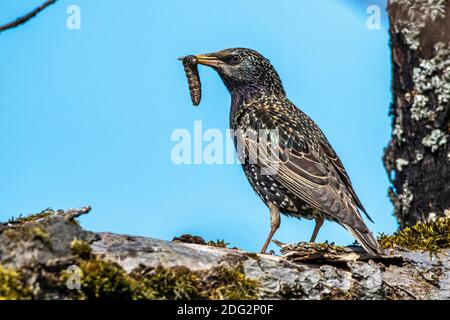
{"x": 366, "y": 239}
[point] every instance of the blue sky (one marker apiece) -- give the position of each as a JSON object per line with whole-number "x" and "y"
{"x": 86, "y": 115}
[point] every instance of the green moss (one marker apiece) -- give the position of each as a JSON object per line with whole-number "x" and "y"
{"x": 32, "y": 217}
{"x": 172, "y": 284}
{"x": 40, "y": 234}
{"x": 231, "y": 284}
{"x": 327, "y": 246}
{"x": 218, "y": 243}
{"x": 220, "y": 283}
{"x": 30, "y": 232}
{"x": 11, "y": 286}
{"x": 81, "y": 249}
{"x": 102, "y": 279}
{"x": 426, "y": 236}
{"x": 20, "y": 220}
{"x": 107, "y": 280}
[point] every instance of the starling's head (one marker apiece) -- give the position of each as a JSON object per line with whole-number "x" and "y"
{"x": 244, "y": 71}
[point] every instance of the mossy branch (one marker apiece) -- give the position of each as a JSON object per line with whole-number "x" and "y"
{"x": 431, "y": 236}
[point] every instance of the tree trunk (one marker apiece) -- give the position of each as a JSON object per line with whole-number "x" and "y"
{"x": 418, "y": 156}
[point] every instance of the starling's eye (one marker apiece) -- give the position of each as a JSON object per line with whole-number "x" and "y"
{"x": 235, "y": 59}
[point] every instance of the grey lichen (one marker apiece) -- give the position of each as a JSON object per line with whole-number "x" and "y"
{"x": 415, "y": 17}
{"x": 400, "y": 163}
{"x": 418, "y": 157}
{"x": 419, "y": 109}
{"x": 431, "y": 77}
{"x": 406, "y": 197}
{"x": 435, "y": 139}
{"x": 398, "y": 132}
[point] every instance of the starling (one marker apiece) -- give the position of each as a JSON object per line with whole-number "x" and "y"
{"x": 309, "y": 180}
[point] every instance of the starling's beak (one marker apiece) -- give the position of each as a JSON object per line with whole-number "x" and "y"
{"x": 208, "y": 60}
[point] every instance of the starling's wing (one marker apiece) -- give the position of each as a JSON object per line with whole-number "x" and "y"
{"x": 334, "y": 159}
{"x": 298, "y": 163}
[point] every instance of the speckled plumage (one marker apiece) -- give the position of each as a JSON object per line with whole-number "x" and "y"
{"x": 309, "y": 180}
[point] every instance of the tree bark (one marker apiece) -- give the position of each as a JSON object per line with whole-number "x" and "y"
{"x": 418, "y": 156}
{"x": 37, "y": 252}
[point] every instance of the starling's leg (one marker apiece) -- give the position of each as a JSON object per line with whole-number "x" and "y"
{"x": 319, "y": 223}
{"x": 274, "y": 225}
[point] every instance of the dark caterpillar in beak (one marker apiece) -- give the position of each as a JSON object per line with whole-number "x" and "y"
{"x": 191, "y": 70}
